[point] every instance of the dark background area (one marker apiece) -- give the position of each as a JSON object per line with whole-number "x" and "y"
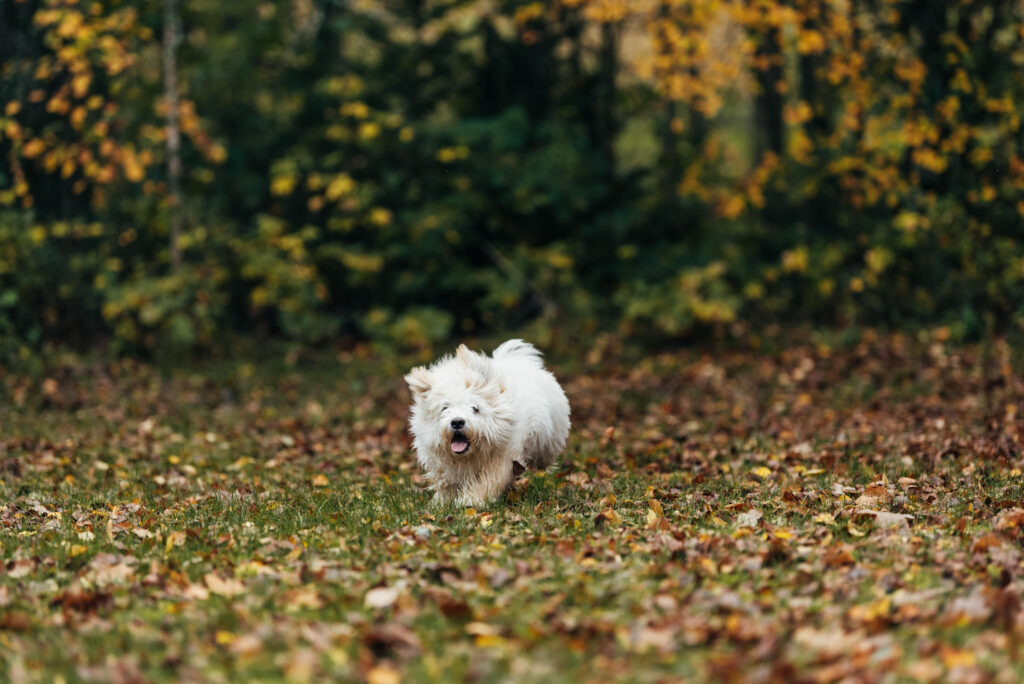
{"x": 411, "y": 171}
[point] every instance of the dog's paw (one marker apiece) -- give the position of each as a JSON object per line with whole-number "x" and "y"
{"x": 470, "y": 501}
{"x": 441, "y": 499}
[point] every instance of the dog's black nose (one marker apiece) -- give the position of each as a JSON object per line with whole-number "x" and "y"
{"x": 458, "y": 423}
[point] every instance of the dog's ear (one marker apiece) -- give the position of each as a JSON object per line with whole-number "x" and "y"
{"x": 464, "y": 354}
{"x": 419, "y": 380}
{"x": 474, "y": 361}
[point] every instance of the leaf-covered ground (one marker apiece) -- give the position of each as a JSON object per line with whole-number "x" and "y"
{"x": 819, "y": 513}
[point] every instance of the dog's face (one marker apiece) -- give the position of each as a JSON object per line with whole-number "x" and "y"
{"x": 459, "y": 406}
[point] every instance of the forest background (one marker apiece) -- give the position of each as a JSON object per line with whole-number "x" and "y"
{"x": 177, "y": 173}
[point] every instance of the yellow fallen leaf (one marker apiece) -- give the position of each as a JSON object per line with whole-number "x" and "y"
{"x": 825, "y": 518}
{"x": 174, "y": 539}
{"x": 320, "y": 481}
{"x": 871, "y": 612}
{"x": 383, "y": 674}
{"x": 224, "y": 637}
{"x": 955, "y": 657}
{"x": 488, "y": 640}
{"x": 762, "y": 472}
{"x": 299, "y": 665}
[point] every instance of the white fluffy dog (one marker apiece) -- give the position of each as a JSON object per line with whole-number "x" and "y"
{"x": 477, "y": 421}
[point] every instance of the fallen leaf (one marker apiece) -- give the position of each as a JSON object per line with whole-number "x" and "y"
{"x": 955, "y": 657}
{"x": 607, "y": 516}
{"x": 481, "y": 629}
{"x": 887, "y": 519}
{"x": 383, "y": 674}
{"x": 299, "y": 665}
{"x": 174, "y": 539}
{"x": 221, "y": 586}
{"x": 986, "y": 542}
{"x": 749, "y": 518}
{"x": 380, "y": 597}
{"x": 393, "y": 639}
{"x": 874, "y": 496}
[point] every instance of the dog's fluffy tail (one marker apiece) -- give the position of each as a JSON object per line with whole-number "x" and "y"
{"x": 517, "y": 349}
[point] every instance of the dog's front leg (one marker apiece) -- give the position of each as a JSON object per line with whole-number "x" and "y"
{"x": 488, "y": 485}
{"x": 445, "y": 490}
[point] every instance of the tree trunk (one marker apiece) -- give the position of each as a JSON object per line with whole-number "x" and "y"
{"x": 817, "y": 94}
{"x": 173, "y": 129}
{"x": 609, "y": 69}
{"x": 769, "y": 100}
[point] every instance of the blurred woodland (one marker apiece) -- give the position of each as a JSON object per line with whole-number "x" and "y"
{"x": 173, "y": 172}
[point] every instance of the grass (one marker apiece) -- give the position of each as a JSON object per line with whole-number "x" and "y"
{"x": 816, "y": 513}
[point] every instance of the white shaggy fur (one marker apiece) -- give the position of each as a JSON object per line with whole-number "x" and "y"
{"x": 475, "y": 417}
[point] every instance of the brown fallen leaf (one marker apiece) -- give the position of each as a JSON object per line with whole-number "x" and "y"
{"x": 608, "y": 516}
{"x": 1010, "y": 520}
{"x": 838, "y": 555}
{"x": 83, "y": 601}
{"x": 15, "y": 621}
{"x": 985, "y": 542}
{"x": 874, "y": 496}
{"x": 221, "y": 586}
{"x": 394, "y": 639}
{"x": 451, "y": 607}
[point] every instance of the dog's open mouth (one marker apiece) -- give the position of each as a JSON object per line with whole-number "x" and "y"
{"x": 460, "y": 444}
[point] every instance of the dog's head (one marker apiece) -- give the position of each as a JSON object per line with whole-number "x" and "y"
{"x": 459, "y": 405}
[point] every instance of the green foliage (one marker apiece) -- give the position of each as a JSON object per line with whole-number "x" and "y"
{"x": 415, "y": 328}
{"x": 173, "y": 312}
{"x": 281, "y": 281}
{"x": 695, "y": 297}
{"x": 410, "y": 171}
{"x": 51, "y": 275}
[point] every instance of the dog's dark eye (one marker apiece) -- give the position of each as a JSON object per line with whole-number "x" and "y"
{"x": 476, "y": 410}
{"x": 443, "y": 409}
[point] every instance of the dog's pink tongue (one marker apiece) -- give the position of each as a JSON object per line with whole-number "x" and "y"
{"x": 459, "y": 444}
